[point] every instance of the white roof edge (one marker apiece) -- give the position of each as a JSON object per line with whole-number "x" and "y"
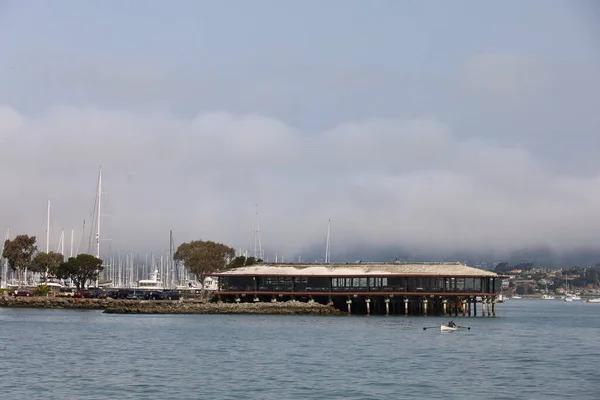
{"x": 431, "y": 268}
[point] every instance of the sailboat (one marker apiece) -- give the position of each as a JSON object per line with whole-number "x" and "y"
{"x": 569, "y": 296}
{"x": 547, "y": 296}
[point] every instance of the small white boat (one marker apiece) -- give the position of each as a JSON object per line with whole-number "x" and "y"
{"x": 151, "y": 284}
{"x": 571, "y": 297}
{"x": 594, "y": 300}
{"x": 548, "y": 297}
{"x": 516, "y": 297}
{"x": 446, "y": 328}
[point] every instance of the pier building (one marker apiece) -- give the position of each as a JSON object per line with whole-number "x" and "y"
{"x": 427, "y": 288}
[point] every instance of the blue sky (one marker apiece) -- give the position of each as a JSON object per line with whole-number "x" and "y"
{"x": 229, "y": 103}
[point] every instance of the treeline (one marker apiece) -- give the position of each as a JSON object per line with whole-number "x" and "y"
{"x": 199, "y": 257}
{"x": 583, "y": 276}
{"x": 22, "y": 253}
{"x": 505, "y": 267}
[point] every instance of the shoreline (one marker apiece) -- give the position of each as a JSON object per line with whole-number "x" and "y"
{"x": 111, "y": 306}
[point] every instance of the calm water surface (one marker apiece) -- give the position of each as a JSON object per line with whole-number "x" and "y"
{"x": 534, "y": 349}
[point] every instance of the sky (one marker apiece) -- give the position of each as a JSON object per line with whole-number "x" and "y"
{"x": 430, "y": 127}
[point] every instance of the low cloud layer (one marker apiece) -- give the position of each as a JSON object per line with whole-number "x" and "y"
{"x": 409, "y": 183}
{"x": 431, "y": 134}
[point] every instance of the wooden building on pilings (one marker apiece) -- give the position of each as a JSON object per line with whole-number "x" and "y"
{"x": 368, "y": 288}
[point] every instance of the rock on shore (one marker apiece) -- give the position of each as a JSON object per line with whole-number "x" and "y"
{"x": 53, "y": 302}
{"x": 112, "y": 306}
{"x": 282, "y": 308}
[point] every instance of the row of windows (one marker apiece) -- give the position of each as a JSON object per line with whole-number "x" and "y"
{"x": 358, "y": 282}
{"x": 363, "y": 283}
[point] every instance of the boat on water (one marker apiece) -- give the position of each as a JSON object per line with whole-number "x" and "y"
{"x": 516, "y": 297}
{"x": 547, "y": 296}
{"x": 151, "y": 284}
{"x": 571, "y": 297}
{"x": 451, "y": 327}
{"x": 568, "y": 295}
{"x": 594, "y": 300}
{"x": 446, "y": 328}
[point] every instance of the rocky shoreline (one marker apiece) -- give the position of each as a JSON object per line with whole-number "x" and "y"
{"x": 112, "y": 306}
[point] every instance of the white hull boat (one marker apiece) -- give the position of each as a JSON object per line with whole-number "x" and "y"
{"x": 446, "y": 328}
{"x": 596, "y": 300}
{"x": 450, "y": 327}
{"x": 571, "y": 297}
{"x": 151, "y": 284}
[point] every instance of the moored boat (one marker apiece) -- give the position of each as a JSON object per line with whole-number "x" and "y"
{"x": 152, "y": 284}
{"x": 594, "y": 300}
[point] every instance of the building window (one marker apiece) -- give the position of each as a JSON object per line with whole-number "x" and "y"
{"x": 271, "y": 280}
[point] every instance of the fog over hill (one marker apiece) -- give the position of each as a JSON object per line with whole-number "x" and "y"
{"x": 456, "y": 132}
{"x": 545, "y": 258}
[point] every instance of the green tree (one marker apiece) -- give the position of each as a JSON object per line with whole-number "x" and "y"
{"x": 242, "y": 261}
{"x": 19, "y": 253}
{"x": 47, "y": 263}
{"x": 80, "y": 269}
{"x": 502, "y": 267}
{"x": 204, "y": 257}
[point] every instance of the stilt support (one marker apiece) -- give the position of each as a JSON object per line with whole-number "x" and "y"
{"x": 387, "y": 306}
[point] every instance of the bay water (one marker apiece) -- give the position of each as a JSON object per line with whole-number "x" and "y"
{"x": 532, "y": 349}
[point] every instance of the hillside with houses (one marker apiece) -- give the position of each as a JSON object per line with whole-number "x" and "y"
{"x": 529, "y": 279}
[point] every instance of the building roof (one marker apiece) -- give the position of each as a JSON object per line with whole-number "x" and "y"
{"x": 356, "y": 269}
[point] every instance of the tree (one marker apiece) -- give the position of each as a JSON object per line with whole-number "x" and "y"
{"x": 80, "y": 269}
{"x": 502, "y": 267}
{"x": 242, "y": 261}
{"x": 204, "y": 257}
{"x": 47, "y": 263}
{"x": 19, "y": 252}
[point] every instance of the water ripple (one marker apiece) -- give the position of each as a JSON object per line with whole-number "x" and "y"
{"x": 535, "y": 350}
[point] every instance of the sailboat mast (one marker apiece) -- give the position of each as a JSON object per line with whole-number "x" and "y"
{"x": 48, "y": 228}
{"x": 4, "y": 262}
{"x": 61, "y": 246}
{"x": 72, "y": 233}
{"x": 328, "y": 244}
{"x": 257, "y": 243}
{"x": 80, "y": 239}
{"x": 99, "y": 213}
{"x": 171, "y": 263}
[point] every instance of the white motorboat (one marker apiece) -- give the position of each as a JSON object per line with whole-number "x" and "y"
{"x": 594, "y": 300}
{"x": 151, "y": 284}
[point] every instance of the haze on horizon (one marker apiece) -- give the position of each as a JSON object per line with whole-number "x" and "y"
{"x": 435, "y": 127}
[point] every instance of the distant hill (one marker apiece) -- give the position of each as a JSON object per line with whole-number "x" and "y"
{"x": 540, "y": 257}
